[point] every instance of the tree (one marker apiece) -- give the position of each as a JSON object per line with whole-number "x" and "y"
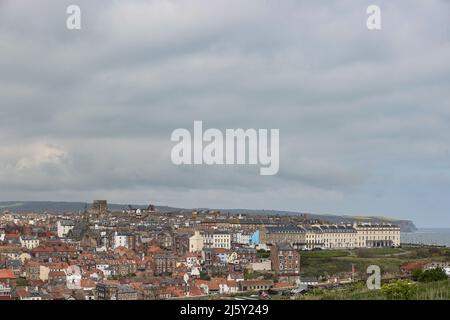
{"x": 436, "y": 274}
{"x": 399, "y": 290}
{"x": 21, "y": 282}
{"x": 204, "y": 275}
{"x": 263, "y": 254}
{"x": 416, "y": 274}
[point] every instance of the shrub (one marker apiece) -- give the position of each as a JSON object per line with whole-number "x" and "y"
{"x": 204, "y": 275}
{"x": 431, "y": 275}
{"x": 416, "y": 274}
{"x": 399, "y": 290}
{"x": 263, "y": 254}
{"x": 21, "y": 282}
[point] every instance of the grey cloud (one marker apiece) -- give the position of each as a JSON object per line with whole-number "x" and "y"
{"x": 91, "y": 112}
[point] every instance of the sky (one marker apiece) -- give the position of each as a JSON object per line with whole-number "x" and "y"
{"x": 364, "y": 116}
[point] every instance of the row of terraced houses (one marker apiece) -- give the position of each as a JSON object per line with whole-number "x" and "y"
{"x": 357, "y": 235}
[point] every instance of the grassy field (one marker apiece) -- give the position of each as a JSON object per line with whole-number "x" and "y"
{"x": 434, "y": 291}
{"x": 325, "y": 254}
{"x": 339, "y": 262}
{"x": 425, "y": 291}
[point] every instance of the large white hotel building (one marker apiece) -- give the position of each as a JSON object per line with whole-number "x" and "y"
{"x": 358, "y": 235}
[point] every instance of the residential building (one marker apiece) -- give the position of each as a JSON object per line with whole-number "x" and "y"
{"x": 124, "y": 239}
{"x": 7, "y": 283}
{"x": 375, "y": 235}
{"x": 164, "y": 263}
{"x": 285, "y": 261}
{"x": 63, "y": 227}
{"x": 196, "y": 242}
{"x": 106, "y": 290}
{"x": 255, "y": 285}
{"x": 29, "y": 242}
{"x": 217, "y": 239}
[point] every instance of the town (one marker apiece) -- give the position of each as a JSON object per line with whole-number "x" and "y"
{"x": 142, "y": 253}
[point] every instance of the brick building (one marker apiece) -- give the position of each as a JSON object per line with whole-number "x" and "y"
{"x": 285, "y": 261}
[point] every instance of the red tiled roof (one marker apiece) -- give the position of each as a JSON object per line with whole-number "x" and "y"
{"x": 154, "y": 249}
{"x": 221, "y": 250}
{"x": 136, "y": 285}
{"x": 54, "y": 248}
{"x": 87, "y": 283}
{"x": 21, "y": 292}
{"x": 7, "y": 274}
{"x": 195, "y": 291}
{"x": 52, "y": 274}
{"x": 212, "y": 284}
{"x": 413, "y": 265}
{"x": 114, "y": 282}
{"x": 193, "y": 255}
{"x": 281, "y": 285}
{"x": 232, "y": 283}
{"x": 31, "y": 263}
{"x": 57, "y": 265}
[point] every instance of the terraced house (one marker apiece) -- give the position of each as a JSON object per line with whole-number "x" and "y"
{"x": 363, "y": 235}
{"x": 377, "y": 235}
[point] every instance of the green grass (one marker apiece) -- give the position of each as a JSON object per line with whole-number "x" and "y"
{"x": 425, "y": 291}
{"x": 434, "y": 291}
{"x": 339, "y": 262}
{"x": 338, "y": 266}
{"x": 325, "y": 254}
{"x": 379, "y": 252}
{"x": 428, "y": 253}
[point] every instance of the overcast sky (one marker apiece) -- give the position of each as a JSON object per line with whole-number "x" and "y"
{"x": 364, "y": 116}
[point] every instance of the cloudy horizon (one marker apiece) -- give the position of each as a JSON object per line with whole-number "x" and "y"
{"x": 363, "y": 115}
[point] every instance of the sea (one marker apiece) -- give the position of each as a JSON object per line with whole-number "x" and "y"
{"x": 428, "y": 236}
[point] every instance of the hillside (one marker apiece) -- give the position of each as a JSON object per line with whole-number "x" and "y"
{"x": 66, "y": 207}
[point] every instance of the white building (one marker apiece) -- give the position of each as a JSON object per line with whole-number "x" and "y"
{"x": 6, "y": 217}
{"x": 193, "y": 259}
{"x": 447, "y": 271}
{"x": 120, "y": 240}
{"x": 345, "y": 236}
{"x": 242, "y": 237}
{"x": 63, "y": 227}
{"x": 228, "y": 287}
{"x": 73, "y": 277}
{"x": 217, "y": 240}
{"x": 196, "y": 242}
{"x": 333, "y": 236}
{"x": 105, "y": 268}
{"x": 195, "y": 271}
{"x": 373, "y": 235}
{"x": 263, "y": 265}
{"x": 29, "y": 242}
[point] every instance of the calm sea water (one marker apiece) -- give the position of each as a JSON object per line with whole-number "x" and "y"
{"x": 435, "y": 236}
